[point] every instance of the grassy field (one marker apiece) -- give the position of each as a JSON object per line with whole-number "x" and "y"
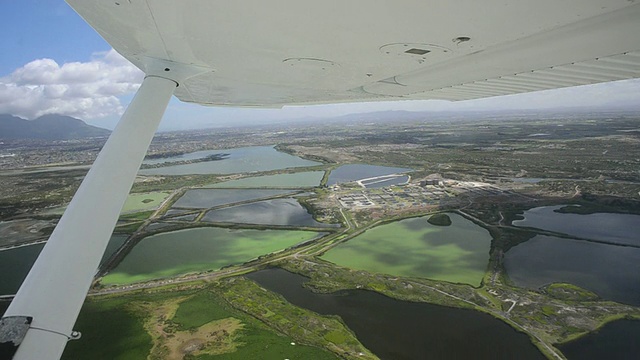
{"x": 138, "y": 202}
{"x": 193, "y": 324}
{"x": 109, "y": 331}
{"x": 413, "y": 247}
{"x": 296, "y": 180}
{"x": 199, "y": 249}
{"x": 303, "y": 325}
{"x": 198, "y": 310}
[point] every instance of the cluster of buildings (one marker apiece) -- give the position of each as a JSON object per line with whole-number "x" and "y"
{"x": 423, "y": 193}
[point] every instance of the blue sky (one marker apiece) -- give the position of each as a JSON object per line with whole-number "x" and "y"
{"x": 50, "y": 58}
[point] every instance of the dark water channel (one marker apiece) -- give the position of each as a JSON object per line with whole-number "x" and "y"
{"x": 615, "y": 341}
{"x": 16, "y": 263}
{"x": 612, "y": 272}
{"x": 610, "y": 267}
{"x": 398, "y": 330}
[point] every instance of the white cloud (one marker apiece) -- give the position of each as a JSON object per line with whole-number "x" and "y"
{"x": 84, "y": 90}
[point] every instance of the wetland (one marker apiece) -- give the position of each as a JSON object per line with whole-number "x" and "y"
{"x": 394, "y": 329}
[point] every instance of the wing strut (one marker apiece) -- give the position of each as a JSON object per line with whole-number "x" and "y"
{"x": 49, "y": 300}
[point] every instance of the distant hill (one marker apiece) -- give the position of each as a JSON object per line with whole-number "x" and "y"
{"x": 48, "y": 127}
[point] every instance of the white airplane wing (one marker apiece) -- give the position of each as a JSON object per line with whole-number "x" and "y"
{"x": 274, "y": 53}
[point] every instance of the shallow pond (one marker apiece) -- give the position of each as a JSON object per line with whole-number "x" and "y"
{"x": 199, "y": 249}
{"x": 413, "y": 247}
{"x": 353, "y": 172}
{"x": 268, "y": 212}
{"x": 617, "y": 340}
{"x": 394, "y": 329}
{"x": 289, "y": 181}
{"x": 208, "y": 198}
{"x": 19, "y": 231}
{"x": 238, "y": 160}
{"x": 617, "y": 228}
{"x": 16, "y": 263}
{"x": 611, "y": 271}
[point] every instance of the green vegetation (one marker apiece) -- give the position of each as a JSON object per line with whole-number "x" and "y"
{"x": 259, "y": 343}
{"x": 128, "y": 228}
{"x": 439, "y": 219}
{"x": 192, "y": 323}
{"x": 170, "y": 183}
{"x": 110, "y": 330}
{"x": 295, "y": 180}
{"x": 577, "y": 158}
{"x": 144, "y": 201}
{"x": 199, "y": 310}
{"x": 545, "y": 317}
{"x": 571, "y": 292}
{"x": 199, "y": 249}
{"x": 143, "y": 215}
{"x": 414, "y": 248}
{"x": 301, "y": 324}
{"x": 590, "y": 204}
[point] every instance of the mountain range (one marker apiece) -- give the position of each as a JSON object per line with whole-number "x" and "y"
{"x": 48, "y": 127}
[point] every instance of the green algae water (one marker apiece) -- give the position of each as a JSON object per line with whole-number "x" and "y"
{"x": 457, "y": 253}
{"x": 199, "y": 249}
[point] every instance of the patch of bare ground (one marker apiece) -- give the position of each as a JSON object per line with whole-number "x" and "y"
{"x": 216, "y": 337}
{"x": 170, "y": 343}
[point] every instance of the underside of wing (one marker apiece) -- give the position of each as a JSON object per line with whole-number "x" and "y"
{"x": 274, "y": 53}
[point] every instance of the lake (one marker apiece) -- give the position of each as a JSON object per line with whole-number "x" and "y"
{"x": 353, "y": 172}
{"x": 612, "y": 272}
{"x": 208, "y": 198}
{"x": 268, "y": 212}
{"x": 16, "y": 263}
{"x": 199, "y": 249}
{"x": 617, "y": 228}
{"x": 397, "y": 330}
{"x": 238, "y": 160}
{"x": 616, "y": 340}
{"x": 415, "y": 248}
